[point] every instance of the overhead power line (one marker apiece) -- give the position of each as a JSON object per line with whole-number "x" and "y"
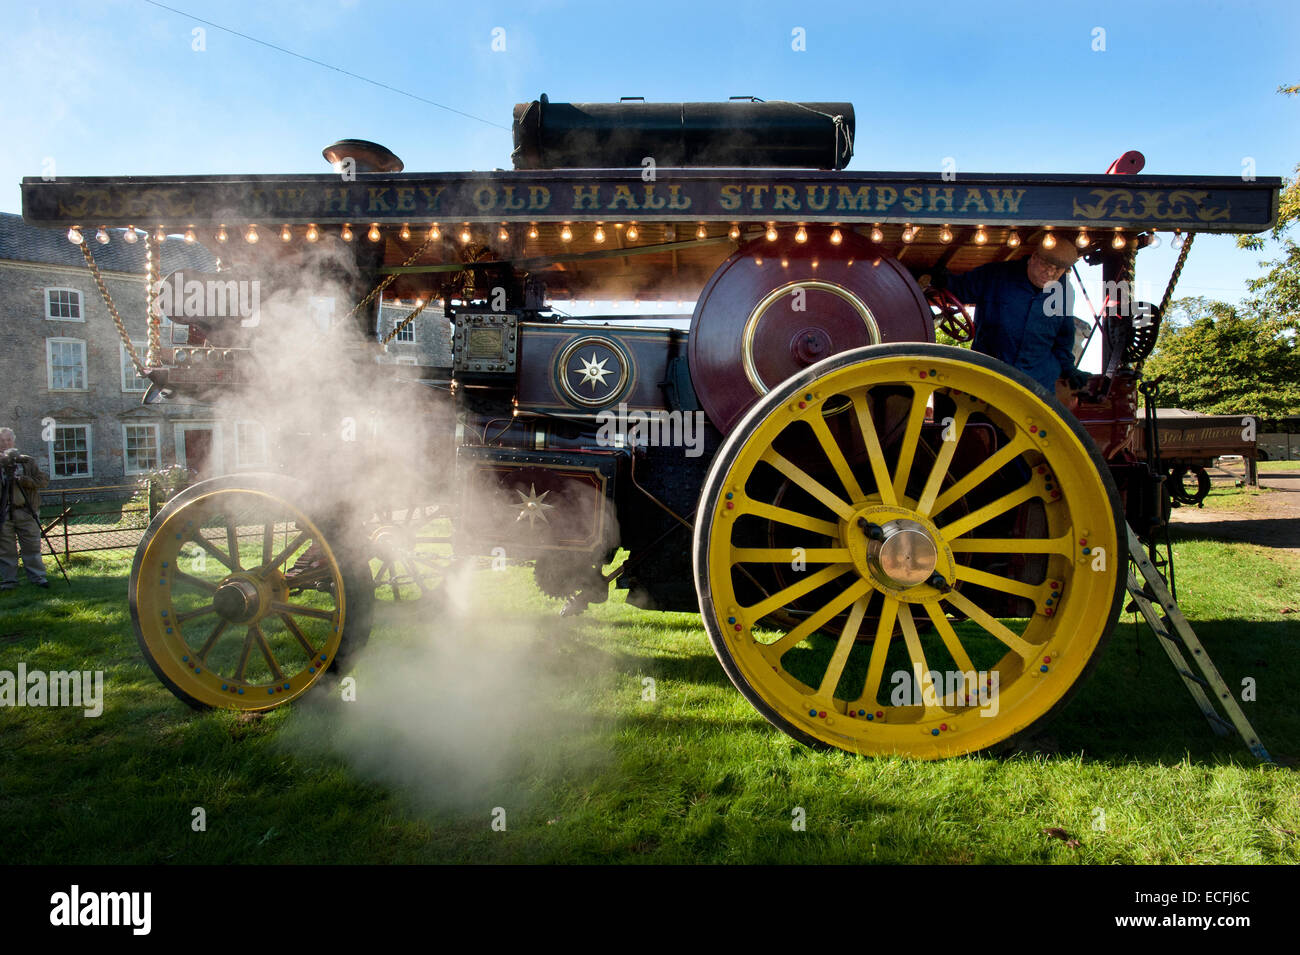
{"x": 328, "y": 66}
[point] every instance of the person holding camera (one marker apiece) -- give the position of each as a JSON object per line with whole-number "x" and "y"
{"x": 21, "y": 480}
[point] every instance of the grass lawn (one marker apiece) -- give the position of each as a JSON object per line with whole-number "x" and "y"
{"x": 503, "y": 705}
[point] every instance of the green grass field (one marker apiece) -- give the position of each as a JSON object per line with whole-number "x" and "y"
{"x": 513, "y": 708}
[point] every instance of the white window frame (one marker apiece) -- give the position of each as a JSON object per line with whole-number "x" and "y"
{"x": 129, "y": 369}
{"x": 217, "y": 463}
{"x": 49, "y": 363}
{"x": 90, "y": 454}
{"x": 398, "y": 314}
{"x": 157, "y": 447}
{"x": 240, "y": 463}
{"x": 80, "y": 300}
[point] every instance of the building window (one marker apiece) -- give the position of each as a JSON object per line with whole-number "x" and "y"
{"x": 139, "y": 448}
{"x": 70, "y": 451}
{"x": 250, "y": 445}
{"x": 65, "y": 360}
{"x": 63, "y": 305}
{"x": 406, "y": 335}
{"x": 131, "y": 381}
{"x": 391, "y": 317}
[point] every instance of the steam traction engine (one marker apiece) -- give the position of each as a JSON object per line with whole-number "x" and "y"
{"x": 840, "y": 497}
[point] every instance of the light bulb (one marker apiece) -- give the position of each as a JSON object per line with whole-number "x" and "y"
{"x": 945, "y": 235}
{"x": 566, "y": 234}
{"x": 632, "y": 232}
{"x": 701, "y": 232}
{"x": 313, "y": 233}
{"x": 1049, "y": 241}
{"x": 406, "y": 231}
{"x": 373, "y": 235}
{"x": 877, "y": 235}
{"x": 1118, "y": 242}
{"x": 670, "y": 233}
{"x": 981, "y": 236}
{"x": 101, "y": 235}
{"x": 130, "y": 236}
{"x": 465, "y": 235}
{"x": 836, "y": 238}
{"x": 251, "y": 235}
{"x": 221, "y": 234}
{"x": 801, "y": 235}
{"x": 785, "y": 263}
{"x": 598, "y": 235}
{"x": 532, "y": 231}
{"x": 758, "y": 260}
{"x": 814, "y": 263}
{"x": 1081, "y": 240}
{"x": 346, "y": 233}
{"x": 1178, "y": 239}
{"x": 733, "y": 232}
{"x": 160, "y": 234}
{"x": 1154, "y": 241}
{"x": 771, "y": 233}
{"x": 189, "y": 235}
{"x": 286, "y": 234}
{"x": 75, "y": 236}
{"x": 503, "y": 234}
{"x": 434, "y": 232}
{"x": 908, "y": 234}
{"x": 1013, "y": 239}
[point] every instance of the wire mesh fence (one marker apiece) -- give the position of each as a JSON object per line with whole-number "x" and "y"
{"x": 107, "y": 517}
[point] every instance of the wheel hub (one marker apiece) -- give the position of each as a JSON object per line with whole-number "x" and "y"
{"x": 904, "y": 556}
{"x": 237, "y": 601}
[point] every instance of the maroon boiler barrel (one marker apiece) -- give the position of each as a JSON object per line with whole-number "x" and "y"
{"x": 775, "y": 307}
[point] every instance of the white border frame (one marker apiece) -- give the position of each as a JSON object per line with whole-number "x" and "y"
{"x": 217, "y": 463}
{"x": 157, "y": 440}
{"x": 49, "y": 365}
{"x": 265, "y": 462}
{"x": 45, "y": 303}
{"x": 90, "y": 452}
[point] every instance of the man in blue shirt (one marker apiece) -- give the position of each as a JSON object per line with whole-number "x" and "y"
{"x": 1020, "y": 314}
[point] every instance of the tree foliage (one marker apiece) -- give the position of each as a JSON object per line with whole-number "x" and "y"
{"x": 1221, "y": 359}
{"x": 1277, "y": 291}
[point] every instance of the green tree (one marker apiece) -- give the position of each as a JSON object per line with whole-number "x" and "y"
{"x": 1221, "y": 359}
{"x": 1277, "y": 291}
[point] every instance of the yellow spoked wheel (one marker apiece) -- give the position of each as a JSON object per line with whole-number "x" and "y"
{"x": 243, "y": 600}
{"x": 908, "y": 549}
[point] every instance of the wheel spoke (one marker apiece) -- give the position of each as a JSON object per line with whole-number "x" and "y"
{"x": 875, "y": 454}
{"x": 1013, "y": 545}
{"x": 211, "y": 642}
{"x": 808, "y": 627}
{"x": 195, "y": 582}
{"x": 786, "y": 555}
{"x": 289, "y": 550}
{"x": 809, "y": 483}
{"x": 835, "y": 669}
{"x": 880, "y": 650}
{"x": 232, "y": 542}
{"x": 301, "y": 611}
{"x": 191, "y": 614}
{"x": 920, "y": 668}
{"x": 989, "y": 511}
{"x": 997, "y": 582}
{"x": 947, "y": 447}
{"x": 268, "y": 542}
{"x": 836, "y": 457}
{"x": 196, "y": 535}
{"x": 993, "y": 626}
{"x": 911, "y": 438}
{"x": 952, "y": 642}
{"x": 978, "y": 475}
{"x": 784, "y": 515}
{"x": 244, "y": 653}
{"x": 298, "y": 635}
{"x": 266, "y": 652}
{"x": 782, "y": 597}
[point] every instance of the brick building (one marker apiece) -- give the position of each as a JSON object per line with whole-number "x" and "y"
{"x": 67, "y": 386}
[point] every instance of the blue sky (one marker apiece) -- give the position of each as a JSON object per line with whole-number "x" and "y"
{"x": 115, "y": 87}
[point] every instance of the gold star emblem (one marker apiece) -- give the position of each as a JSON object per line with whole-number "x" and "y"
{"x": 531, "y": 506}
{"x": 593, "y": 371}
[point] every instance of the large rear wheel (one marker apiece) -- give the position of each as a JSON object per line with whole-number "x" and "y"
{"x": 909, "y": 549}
